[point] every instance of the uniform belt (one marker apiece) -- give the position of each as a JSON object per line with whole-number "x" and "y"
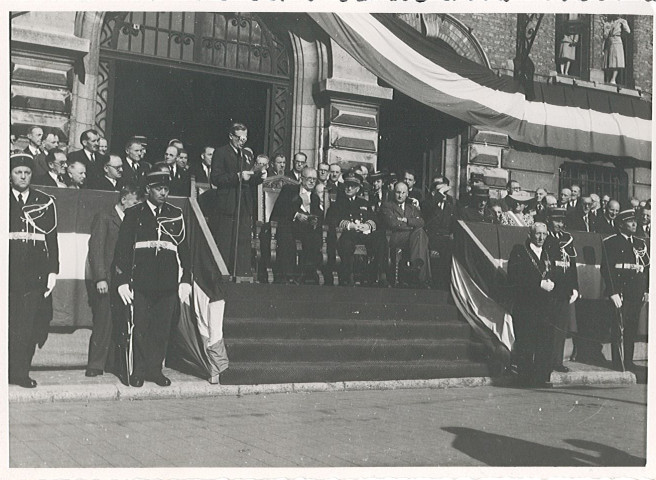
{"x": 37, "y": 237}
{"x": 157, "y": 244}
{"x": 560, "y": 263}
{"x": 630, "y": 266}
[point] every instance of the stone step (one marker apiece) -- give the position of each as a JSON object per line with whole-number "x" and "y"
{"x": 307, "y": 328}
{"x": 284, "y": 350}
{"x": 248, "y": 373}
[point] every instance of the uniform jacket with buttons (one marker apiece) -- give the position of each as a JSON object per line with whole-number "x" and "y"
{"x": 629, "y": 282}
{"x": 563, "y": 269}
{"x": 346, "y": 210}
{"x": 151, "y": 269}
{"x": 31, "y": 261}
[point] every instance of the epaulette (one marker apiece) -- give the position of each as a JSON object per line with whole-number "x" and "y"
{"x": 174, "y": 207}
{"x": 41, "y": 192}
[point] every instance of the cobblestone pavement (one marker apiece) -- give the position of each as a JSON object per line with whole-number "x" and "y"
{"x": 583, "y": 426}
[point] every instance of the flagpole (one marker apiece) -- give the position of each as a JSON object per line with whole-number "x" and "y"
{"x": 239, "y": 189}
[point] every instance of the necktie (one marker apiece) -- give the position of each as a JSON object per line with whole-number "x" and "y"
{"x": 93, "y": 158}
{"x": 587, "y": 225}
{"x": 21, "y": 202}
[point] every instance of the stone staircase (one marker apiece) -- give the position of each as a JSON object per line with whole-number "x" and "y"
{"x": 285, "y": 334}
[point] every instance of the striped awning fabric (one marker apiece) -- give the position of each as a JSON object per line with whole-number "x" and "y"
{"x": 561, "y": 117}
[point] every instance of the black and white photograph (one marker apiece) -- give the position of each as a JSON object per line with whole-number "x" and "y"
{"x": 248, "y": 237}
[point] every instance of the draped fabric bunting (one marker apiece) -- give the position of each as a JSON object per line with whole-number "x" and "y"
{"x": 563, "y": 117}
{"x": 197, "y": 342}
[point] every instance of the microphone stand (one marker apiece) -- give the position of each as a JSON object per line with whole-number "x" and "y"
{"x": 239, "y": 189}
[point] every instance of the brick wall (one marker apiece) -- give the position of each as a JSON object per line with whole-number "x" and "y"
{"x": 496, "y": 33}
{"x": 643, "y": 50}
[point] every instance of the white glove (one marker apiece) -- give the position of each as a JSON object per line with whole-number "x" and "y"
{"x": 574, "y": 297}
{"x": 547, "y": 285}
{"x": 52, "y": 280}
{"x": 126, "y": 293}
{"x": 184, "y": 291}
{"x": 265, "y": 174}
{"x": 617, "y": 300}
{"x": 246, "y": 175}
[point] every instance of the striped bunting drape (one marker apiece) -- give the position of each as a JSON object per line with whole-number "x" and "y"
{"x": 562, "y": 117}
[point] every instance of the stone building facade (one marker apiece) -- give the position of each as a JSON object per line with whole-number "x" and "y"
{"x": 302, "y": 92}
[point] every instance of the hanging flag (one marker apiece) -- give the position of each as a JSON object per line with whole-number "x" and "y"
{"x": 563, "y": 117}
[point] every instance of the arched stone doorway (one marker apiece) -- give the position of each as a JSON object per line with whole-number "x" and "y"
{"x": 189, "y": 75}
{"x": 293, "y": 118}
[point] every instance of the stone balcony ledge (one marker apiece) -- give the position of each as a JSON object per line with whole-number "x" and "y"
{"x": 557, "y": 78}
{"x": 51, "y": 42}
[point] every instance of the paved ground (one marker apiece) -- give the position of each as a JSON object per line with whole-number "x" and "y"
{"x": 576, "y": 426}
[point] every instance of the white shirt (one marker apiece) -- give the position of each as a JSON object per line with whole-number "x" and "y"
{"x": 537, "y": 250}
{"x": 25, "y": 194}
{"x": 121, "y": 213}
{"x": 57, "y": 179}
{"x": 153, "y": 207}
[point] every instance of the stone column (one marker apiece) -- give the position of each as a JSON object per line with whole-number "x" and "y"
{"x": 351, "y": 98}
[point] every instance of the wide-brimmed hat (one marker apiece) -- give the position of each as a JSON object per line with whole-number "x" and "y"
{"x": 557, "y": 212}
{"x": 480, "y": 192}
{"x": 626, "y": 215}
{"x": 520, "y": 196}
{"x": 21, "y": 160}
{"x": 373, "y": 176}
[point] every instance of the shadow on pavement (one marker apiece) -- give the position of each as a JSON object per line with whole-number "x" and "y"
{"x": 502, "y": 451}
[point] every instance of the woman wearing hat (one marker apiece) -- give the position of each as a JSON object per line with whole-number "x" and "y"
{"x": 516, "y": 217}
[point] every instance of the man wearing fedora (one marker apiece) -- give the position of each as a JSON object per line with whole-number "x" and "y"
{"x": 625, "y": 269}
{"x": 477, "y": 210}
{"x": 438, "y": 212}
{"x": 352, "y": 215}
{"x": 33, "y": 266}
{"x": 560, "y": 246}
{"x": 151, "y": 241}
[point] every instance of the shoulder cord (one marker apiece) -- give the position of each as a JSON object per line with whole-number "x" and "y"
{"x": 162, "y": 223}
{"x": 36, "y": 211}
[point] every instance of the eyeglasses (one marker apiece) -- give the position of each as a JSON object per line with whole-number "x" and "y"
{"x": 310, "y": 179}
{"x": 242, "y": 138}
{"x": 116, "y": 167}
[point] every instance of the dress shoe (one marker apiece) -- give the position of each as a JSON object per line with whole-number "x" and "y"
{"x": 136, "y": 381}
{"x": 561, "y": 369}
{"x": 214, "y": 380}
{"x": 160, "y": 380}
{"x": 93, "y": 372}
{"x": 26, "y": 382}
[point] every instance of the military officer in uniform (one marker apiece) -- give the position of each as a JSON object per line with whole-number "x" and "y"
{"x": 33, "y": 266}
{"x": 560, "y": 246}
{"x": 151, "y": 241}
{"x": 352, "y": 214}
{"x": 625, "y": 269}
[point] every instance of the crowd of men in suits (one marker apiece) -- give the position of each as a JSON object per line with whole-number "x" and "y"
{"x": 388, "y": 214}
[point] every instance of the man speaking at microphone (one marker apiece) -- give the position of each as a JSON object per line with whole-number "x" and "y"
{"x": 235, "y": 176}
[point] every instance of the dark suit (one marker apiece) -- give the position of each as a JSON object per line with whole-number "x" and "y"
{"x": 180, "y": 183}
{"x": 136, "y": 174}
{"x": 471, "y": 214}
{"x": 46, "y": 180}
{"x": 40, "y": 163}
{"x": 33, "y": 254}
{"x": 288, "y": 204}
{"x": 226, "y": 166}
{"x": 416, "y": 194}
{"x": 152, "y": 270}
{"x": 102, "y": 242}
{"x": 408, "y": 235}
{"x": 294, "y": 175}
{"x": 103, "y": 183}
{"x": 604, "y": 227}
{"x": 340, "y": 214}
{"x": 625, "y": 270}
{"x": 532, "y": 312}
{"x": 439, "y": 218}
{"x": 94, "y": 169}
{"x": 202, "y": 176}
{"x": 564, "y": 275}
{"x": 576, "y": 219}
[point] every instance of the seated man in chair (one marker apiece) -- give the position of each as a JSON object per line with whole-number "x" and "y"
{"x": 405, "y": 226}
{"x": 298, "y": 213}
{"x": 352, "y": 215}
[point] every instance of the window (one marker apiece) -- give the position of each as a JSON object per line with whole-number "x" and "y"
{"x": 595, "y": 179}
{"x": 572, "y": 45}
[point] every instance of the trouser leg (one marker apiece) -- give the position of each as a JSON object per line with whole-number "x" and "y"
{"x": 23, "y": 309}
{"x": 419, "y": 249}
{"x": 153, "y": 315}
{"x": 560, "y": 322}
{"x": 101, "y": 334}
